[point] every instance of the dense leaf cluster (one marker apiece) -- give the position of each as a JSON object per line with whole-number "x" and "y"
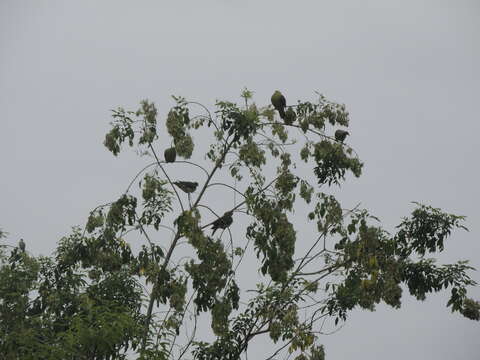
{"x": 332, "y": 162}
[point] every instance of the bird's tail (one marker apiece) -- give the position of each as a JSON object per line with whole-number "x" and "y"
{"x": 281, "y": 111}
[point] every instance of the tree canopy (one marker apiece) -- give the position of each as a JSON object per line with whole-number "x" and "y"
{"x": 147, "y": 269}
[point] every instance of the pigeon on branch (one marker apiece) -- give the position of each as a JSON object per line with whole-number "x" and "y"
{"x": 21, "y": 245}
{"x": 170, "y": 155}
{"x": 223, "y": 222}
{"x": 340, "y": 135}
{"x": 187, "y": 186}
{"x": 279, "y": 103}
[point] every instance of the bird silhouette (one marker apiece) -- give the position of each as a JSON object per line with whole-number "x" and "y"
{"x": 340, "y": 135}
{"x": 187, "y": 186}
{"x": 279, "y": 103}
{"x": 223, "y": 222}
{"x": 170, "y": 155}
{"x": 21, "y": 245}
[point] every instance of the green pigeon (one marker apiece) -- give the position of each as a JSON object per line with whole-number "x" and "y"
{"x": 340, "y": 135}
{"x": 279, "y": 103}
{"x": 21, "y": 245}
{"x": 187, "y": 186}
{"x": 223, "y": 222}
{"x": 290, "y": 116}
{"x": 170, "y": 155}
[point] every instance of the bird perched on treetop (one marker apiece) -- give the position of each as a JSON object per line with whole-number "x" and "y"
{"x": 187, "y": 186}
{"x": 223, "y": 222}
{"x": 279, "y": 103}
{"x": 21, "y": 245}
{"x": 340, "y": 135}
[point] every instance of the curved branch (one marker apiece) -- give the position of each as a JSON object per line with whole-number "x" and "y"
{"x": 194, "y": 164}
{"x": 229, "y": 186}
{"x": 138, "y": 174}
{"x": 206, "y": 109}
{"x": 208, "y": 208}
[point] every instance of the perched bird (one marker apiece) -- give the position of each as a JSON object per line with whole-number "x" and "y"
{"x": 279, "y": 103}
{"x": 187, "y": 186}
{"x": 340, "y": 135}
{"x": 170, "y": 155}
{"x": 21, "y": 245}
{"x": 290, "y": 116}
{"x": 223, "y": 222}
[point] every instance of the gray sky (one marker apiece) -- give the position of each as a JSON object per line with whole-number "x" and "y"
{"x": 407, "y": 71}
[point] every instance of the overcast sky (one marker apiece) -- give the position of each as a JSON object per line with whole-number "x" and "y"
{"x": 408, "y": 72}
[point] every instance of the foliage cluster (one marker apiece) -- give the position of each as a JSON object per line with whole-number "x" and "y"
{"x": 115, "y": 288}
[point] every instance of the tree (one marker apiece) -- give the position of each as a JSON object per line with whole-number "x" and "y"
{"x": 120, "y": 288}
